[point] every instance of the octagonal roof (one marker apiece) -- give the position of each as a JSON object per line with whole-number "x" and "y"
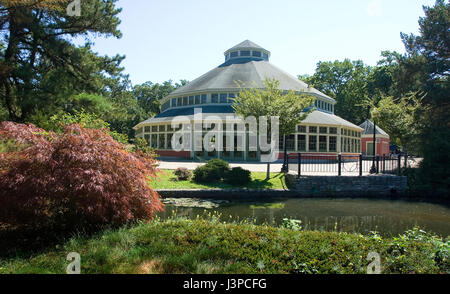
{"x": 250, "y": 72}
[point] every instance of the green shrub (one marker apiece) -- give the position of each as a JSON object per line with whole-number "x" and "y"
{"x": 214, "y": 170}
{"x": 220, "y": 165}
{"x": 238, "y": 176}
{"x": 183, "y": 174}
{"x": 86, "y": 120}
{"x": 205, "y": 174}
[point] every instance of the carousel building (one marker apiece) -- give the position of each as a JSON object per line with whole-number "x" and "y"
{"x": 248, "y": 64}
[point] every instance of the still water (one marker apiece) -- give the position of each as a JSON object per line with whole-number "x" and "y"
{"x": 387, "y": 217}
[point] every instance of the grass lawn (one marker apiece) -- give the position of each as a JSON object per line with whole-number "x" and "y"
{"x": 167, "y": 180}
{"x": 209, "y": 246}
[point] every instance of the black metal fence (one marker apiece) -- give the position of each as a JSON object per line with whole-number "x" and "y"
{"x": 356, "y": 165}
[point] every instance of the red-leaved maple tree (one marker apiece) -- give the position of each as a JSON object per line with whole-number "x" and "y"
{"x": 76, "y": 179}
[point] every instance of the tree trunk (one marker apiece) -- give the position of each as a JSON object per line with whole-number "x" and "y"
{"x": 285, "y": 157}
{"x": 10, "y": 62}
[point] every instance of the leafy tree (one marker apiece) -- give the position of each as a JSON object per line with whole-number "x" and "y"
{"x": 126, "y": 111}
{"x": 87, "y": 120}
{"x": 345, "y": 81}
{"x": 428, "y": 58}
{"x": 398, "y": 117}
{"x": 149, "y": 94}
{"x": 271, "y": 101}
{"x": 40, "y": 68}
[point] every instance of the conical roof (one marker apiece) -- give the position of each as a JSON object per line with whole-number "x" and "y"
{"x": 247, "y": 44}
{"x": 367, "y": 126}
{"x": 249, "y": 72}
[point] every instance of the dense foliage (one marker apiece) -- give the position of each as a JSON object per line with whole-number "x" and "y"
{"x": 213, "y": 170}
{"x": 409, "y": 94}
{"x": 43, "y": 73}
{"x": 79, "y": 178}
{"x": 289, "y": 107}
{"x": 238, "y": 176}
{"x": 346, "y": 81}
{"x": 209, "y": 246}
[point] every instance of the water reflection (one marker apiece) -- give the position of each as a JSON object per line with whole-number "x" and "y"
{"x": 343, "y": 215}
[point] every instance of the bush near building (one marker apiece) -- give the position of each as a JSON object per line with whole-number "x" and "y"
{"x": 238, "y": 176}
{"x": 213, "y": 171}
{"x": 183, "y": 174}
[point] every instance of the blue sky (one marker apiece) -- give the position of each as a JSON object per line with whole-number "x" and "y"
{"x": 183, "y": 39}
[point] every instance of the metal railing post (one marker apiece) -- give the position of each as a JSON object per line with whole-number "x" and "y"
{"x": 399, "y": 163}
{"x": 406, "y": 160}
{"x": 384, "y": 163}
{"x": 286, "y": 168}
{"x": 340, "y": 165}
{"x": 360, "y": 165}
{"x": 299, "y": 165}
{"x": 378, "y": 164}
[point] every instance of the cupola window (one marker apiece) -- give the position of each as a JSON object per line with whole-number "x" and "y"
{"x": 256, "y": 54}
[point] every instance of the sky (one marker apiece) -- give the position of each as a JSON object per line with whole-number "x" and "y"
{"x": 183, "y": 39}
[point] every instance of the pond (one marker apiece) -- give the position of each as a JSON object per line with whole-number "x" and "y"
{"x": 388, "y": 217}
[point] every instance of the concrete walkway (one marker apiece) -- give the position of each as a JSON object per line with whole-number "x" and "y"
{"x": 254, "y": 167}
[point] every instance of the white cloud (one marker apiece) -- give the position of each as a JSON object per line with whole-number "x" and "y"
{"x": 374, "y": 8}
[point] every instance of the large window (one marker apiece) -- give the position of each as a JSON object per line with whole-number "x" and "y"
{"x": 223, "y": 98}
{"x": 231, "y": 97}
{"x": 323, "y": 143}
{"x": 162, "y": 141}
{"x": 281, "y": 143}
{"x": 215, "y": 98}
{"x": 332, "y": 144}
{"x": 301, "y": 143}
{"x": 245, "y": 53}
{"x": 154, "y": 142}
{"x": 301, "y": 129}
{"x": 290, "y": 143}
{"x": 312, "y": 143}
{"x": 256, "y": 54}
{"x": 234, "y": 54}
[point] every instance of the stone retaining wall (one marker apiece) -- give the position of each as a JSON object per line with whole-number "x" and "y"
{"x": 316, "y": 186}
{"x": 382, "y": 185}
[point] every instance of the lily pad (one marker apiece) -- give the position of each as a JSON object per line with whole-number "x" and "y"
{"x": 194, "y": 203}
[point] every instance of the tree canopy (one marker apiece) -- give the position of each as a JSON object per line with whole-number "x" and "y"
{"x": 291, "y": 108}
